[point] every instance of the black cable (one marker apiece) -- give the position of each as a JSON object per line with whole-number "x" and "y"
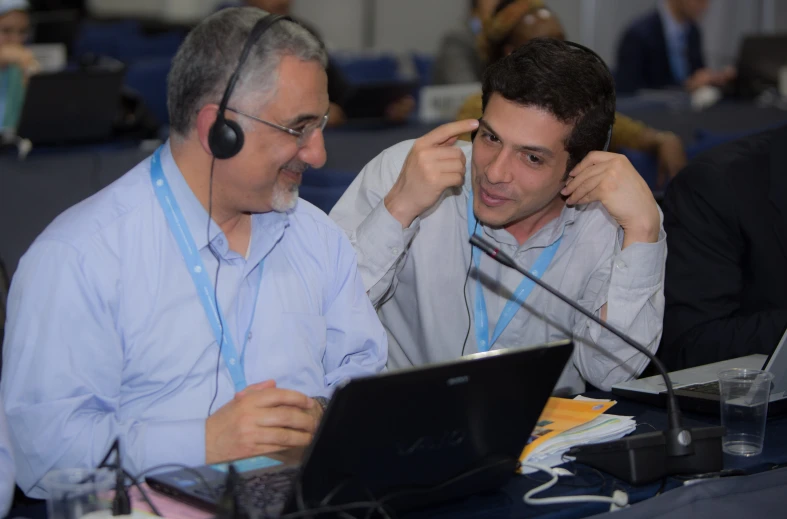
{"x": 122, "y": 475}
{"x": 215, "y": 284}
{"x": 464, "y": 292}
{"x": 115, "y": 447}
{"x": 135, "y": 482}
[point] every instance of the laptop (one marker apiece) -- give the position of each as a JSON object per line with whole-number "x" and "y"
{"x": 408, "y": 438}
{"x": 370, "y": 100}
{"x": 71, "y": 106}
{"x": 697, "y": 389}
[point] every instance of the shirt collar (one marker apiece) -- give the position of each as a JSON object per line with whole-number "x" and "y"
{"x": 266, "y": 228}
{"x": 672, "y": 27}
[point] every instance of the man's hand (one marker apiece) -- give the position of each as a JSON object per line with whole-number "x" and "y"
{"x": 708, "y": 77}
{"x": 19, "y": 55}
{"x": 262, "y": 418}
{"x": 612, "y": 180}
{"x": 432, "y": 166}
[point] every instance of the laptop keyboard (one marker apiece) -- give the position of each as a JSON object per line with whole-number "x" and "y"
{"x": 707, "y": 388}
{"x": 266, "y": 491}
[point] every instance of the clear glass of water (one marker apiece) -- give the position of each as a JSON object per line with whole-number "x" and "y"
{"x": 76, "y": 493}
{"x": 744, "y": 408}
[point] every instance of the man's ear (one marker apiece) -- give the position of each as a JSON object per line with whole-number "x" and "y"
{"x": 206, "y": 117}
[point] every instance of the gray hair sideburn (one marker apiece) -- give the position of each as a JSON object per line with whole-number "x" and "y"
{"x": 208, "y": 56}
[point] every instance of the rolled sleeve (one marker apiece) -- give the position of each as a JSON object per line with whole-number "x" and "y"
{"x": 380, "y": 243}
{"x": 357, "y": 344}
{"x": 634, "y": 295}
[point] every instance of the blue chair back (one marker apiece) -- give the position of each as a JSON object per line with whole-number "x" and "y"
{"x": 328, "y": 178}
{"x": 424, "y": 63}
{"x": 367, "y": 69}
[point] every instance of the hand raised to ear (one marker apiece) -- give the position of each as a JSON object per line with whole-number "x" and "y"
{"x": 610, "y": 178}
{"x": 432, "y": 166}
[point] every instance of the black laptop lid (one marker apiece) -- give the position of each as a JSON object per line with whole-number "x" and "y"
{"x": 407, "y": 431}
{"x": 71, "y": 106}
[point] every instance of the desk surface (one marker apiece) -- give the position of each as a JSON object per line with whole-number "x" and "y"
{"x": 507, "y": 502}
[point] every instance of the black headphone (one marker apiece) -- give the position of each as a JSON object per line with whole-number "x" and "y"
{"x": 593, "y": 53}
{"x": 225, "y": 138}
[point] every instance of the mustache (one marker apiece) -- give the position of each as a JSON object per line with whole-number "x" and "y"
{"x": 492, "y": 190}
{"x": 296, "y": 166}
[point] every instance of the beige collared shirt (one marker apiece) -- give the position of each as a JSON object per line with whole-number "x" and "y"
{"x": 416, "y": 279}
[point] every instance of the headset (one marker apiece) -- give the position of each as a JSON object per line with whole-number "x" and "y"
{"x": 226, "y": 138}
{"x": 592, "y": 53}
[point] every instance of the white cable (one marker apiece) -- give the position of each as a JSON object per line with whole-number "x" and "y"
{"x": 619, "y": 499}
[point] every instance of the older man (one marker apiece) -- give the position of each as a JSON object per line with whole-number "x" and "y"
{"x": 119, "y": 311}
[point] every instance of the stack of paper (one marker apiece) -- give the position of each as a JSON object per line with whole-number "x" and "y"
{"x": 565, "y": 423}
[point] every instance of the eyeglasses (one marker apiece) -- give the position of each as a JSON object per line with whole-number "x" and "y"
{"x": 302, "y": 135}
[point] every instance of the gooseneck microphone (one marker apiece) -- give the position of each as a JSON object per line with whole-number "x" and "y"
{"x": 644, "y": 457}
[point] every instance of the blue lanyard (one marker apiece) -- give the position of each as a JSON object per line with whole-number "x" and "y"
{"x": 520, "y": 294}
{"x": 199, "y": 274}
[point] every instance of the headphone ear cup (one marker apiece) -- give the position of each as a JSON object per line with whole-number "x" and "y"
{"x": 225, "y": 138}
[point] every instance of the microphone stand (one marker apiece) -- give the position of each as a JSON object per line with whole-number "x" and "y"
{"x": 640, "y": 458}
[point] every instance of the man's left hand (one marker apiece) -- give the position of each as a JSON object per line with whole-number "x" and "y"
{"x": 610, "y": 178}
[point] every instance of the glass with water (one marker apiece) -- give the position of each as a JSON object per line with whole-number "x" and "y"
{"x": 79, "y": 493}
{"x": 744, "y": 408}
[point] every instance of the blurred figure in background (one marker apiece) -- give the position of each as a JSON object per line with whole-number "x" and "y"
{"x": 664, "y": 49}
{"x": 458, "y": 60}
{"x": 16, "y": 61}
{"x": 516, "y": 22}
{"x": 338, "y": 88}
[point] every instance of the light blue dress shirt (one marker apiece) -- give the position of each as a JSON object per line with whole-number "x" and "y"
{"x": 7, "y": 479}
{"x": 107, "y": 338}
{"x": 676, "y": 35}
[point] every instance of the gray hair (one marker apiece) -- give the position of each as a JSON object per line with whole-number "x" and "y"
{"x": 207, "y": 58}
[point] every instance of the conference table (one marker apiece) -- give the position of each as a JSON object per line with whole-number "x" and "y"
{"x": 507, "y": 502}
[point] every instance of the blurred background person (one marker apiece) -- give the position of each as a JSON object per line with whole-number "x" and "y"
{"x": 516, "y": 22}
{"x": 664, "y": 49}
{"x": 17, "y": 63}
{"x": 458, "y": 60}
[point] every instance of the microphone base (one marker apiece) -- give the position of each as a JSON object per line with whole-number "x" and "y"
{"x": 642, "y": 458}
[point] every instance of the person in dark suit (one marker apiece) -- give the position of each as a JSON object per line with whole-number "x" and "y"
{"x": 664, "y": 49}
{"x": 726, "y": 281}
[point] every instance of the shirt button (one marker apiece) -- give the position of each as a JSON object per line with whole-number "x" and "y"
{"x": 248, "y": 337}
{"x": 220, "y": 241}
{"x": 620, "y": 265}
{"x": 395, "y": 251}
{"x": 232, "y": 362}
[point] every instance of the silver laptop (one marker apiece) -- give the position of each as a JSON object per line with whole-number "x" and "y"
{"x": 697, "y": 389}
